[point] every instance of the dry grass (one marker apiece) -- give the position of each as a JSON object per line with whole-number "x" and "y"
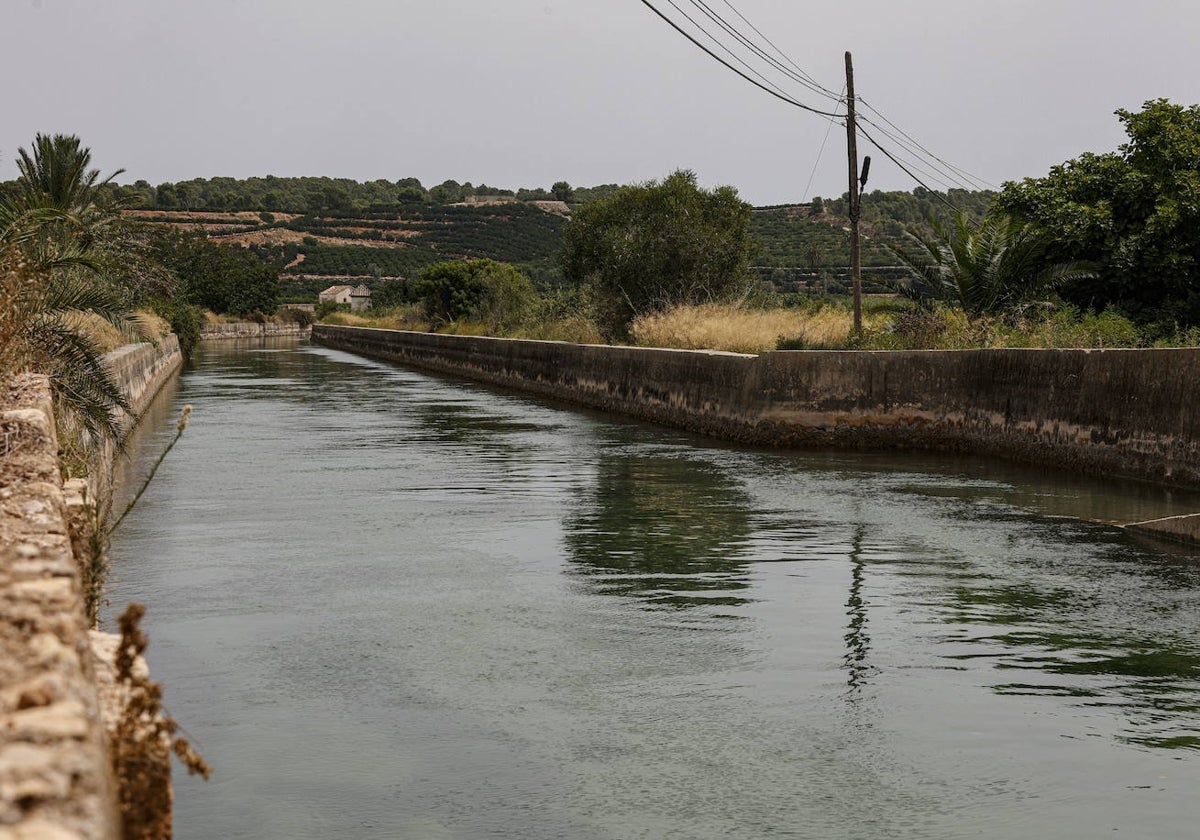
{"x": 577, "y": 329}
{"x": 109, "y": 338}
{"x": 735, "y": 328}
{"x": 13, "y": 279}
{"x": 400, "y": 318}
{"x": 740, "y": 329}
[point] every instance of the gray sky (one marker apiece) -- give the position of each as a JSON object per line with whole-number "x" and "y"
{"x": 526, "y": 92}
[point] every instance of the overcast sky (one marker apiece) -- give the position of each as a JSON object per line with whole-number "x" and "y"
{"x": 527, "y": 92}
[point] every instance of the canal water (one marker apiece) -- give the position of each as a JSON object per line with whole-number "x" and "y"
{"x": 390, "y": 605}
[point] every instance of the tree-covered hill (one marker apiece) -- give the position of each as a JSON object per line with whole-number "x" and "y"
{"x": 316, "y": 229}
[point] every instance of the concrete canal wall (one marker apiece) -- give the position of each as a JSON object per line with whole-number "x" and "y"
{"x": 250, "y": 329}
{"x": 142, "y": 369}
{"x": 56, "y": 773}
{"x": 1110, "y": 412}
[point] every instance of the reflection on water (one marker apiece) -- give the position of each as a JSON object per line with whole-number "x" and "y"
{"x": 1115, "y": 629}
{"x": 858, "y": 641}
{"x": 391, "y": 605}
{"x": 670, "y": 530}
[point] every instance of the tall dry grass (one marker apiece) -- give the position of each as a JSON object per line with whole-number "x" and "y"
{"x": 571, "y": 328}
{"x": 400, "y": 318}
{"x": 576, "y": 329}
{"x": 738, "y": 329}
{"x": 108, "y": 337}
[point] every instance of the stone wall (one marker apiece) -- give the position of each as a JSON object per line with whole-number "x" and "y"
{"x": 249, "y": 329}
{"x": 1110, "y": 412}
{"x": 56, "y": 778}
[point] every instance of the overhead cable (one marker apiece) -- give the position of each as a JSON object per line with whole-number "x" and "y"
{"x": 919, "y": 163}
{"x": 777, "y": 94}
{"x": 780, "y": 52}
{"x": 960, "y": 171}
{"x": 906, "y": 170}
{"x": 717, "y": 41}
{"x": 820, "y": 152}
{"x": 921, "y": 159}
{"x": 798, "y": 77}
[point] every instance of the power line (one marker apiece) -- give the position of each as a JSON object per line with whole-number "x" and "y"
{"x": 780, "y": 52}
{"x": 730, "y": 52}
{"x": 713, "y": 55}
{"x": 906, "y": 170}
{"x": 820, "y": 152}
{"x": 945, "y": 173}
{"x": 799, "y": 77}
{"x": 915, "y": 160}
{"x": 960, "y": 171}
{"x": 958, "y": 176}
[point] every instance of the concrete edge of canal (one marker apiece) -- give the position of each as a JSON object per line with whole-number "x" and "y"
{"x": 1122, "y": 413}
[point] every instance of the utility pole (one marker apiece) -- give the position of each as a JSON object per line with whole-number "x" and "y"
{"x": 855, "y": 196}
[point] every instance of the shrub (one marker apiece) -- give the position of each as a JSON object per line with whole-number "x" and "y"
{"x": 185, "y": 321}
{"x": 494, "y": 294}
{"x": 326, "y": 308}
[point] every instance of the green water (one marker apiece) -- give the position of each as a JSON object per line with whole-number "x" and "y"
{"x": 390, "y": 605}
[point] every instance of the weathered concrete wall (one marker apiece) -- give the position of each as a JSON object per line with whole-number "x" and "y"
{"x": 142, "y": 369}
{"x": 249, "y": 329}
{"x": 56, "y": 777}
{"x": 1112, "y": 412}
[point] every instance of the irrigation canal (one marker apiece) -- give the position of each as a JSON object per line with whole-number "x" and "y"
{"x": 390, "y": 605}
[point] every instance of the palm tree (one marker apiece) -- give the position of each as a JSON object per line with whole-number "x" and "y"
{"x": 58, "y": 239}
{"x": 57, "y": 175}
{"x": 987, "y": 267}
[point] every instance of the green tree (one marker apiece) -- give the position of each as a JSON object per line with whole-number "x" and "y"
{"x": 562, "y": 191}
{"x": 987, "y": 267}
{"x": 447, "y": 192}
{"x": 655, "y": 245}
{"x": 491, "y": 292}
{"x": 227, "y": 279}
{"x": 391, "y": 292}
{"x": 57, "y": 174}
{"x": 1134, "y": 212}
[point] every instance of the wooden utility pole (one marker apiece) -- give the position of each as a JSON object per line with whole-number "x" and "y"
{"x": 855, "y": 196}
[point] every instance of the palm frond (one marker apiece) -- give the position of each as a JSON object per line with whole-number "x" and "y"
{"x": 989, "y": 266}
{"x": 79, "y": 377}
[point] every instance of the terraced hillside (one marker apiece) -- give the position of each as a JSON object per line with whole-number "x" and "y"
{"x": 800, "y": 248}
{"x": 313, "y": 250}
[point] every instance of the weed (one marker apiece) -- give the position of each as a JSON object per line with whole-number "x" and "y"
{"x": 143, "y": 736}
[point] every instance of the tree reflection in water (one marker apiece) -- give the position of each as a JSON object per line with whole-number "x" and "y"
{"x": 670, "y": 530}
{"x": 858, "y": 641}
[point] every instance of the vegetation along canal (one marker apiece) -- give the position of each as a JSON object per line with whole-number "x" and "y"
{"x": 386, "y": 604}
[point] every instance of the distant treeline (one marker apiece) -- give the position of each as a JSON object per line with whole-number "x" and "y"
{"x": 324, "y": 195}
{"x": 888, "y": 212}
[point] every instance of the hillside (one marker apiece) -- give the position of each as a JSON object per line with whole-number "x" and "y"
{"x": 318, "y": 230}
{"x": 313, "y": 250}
